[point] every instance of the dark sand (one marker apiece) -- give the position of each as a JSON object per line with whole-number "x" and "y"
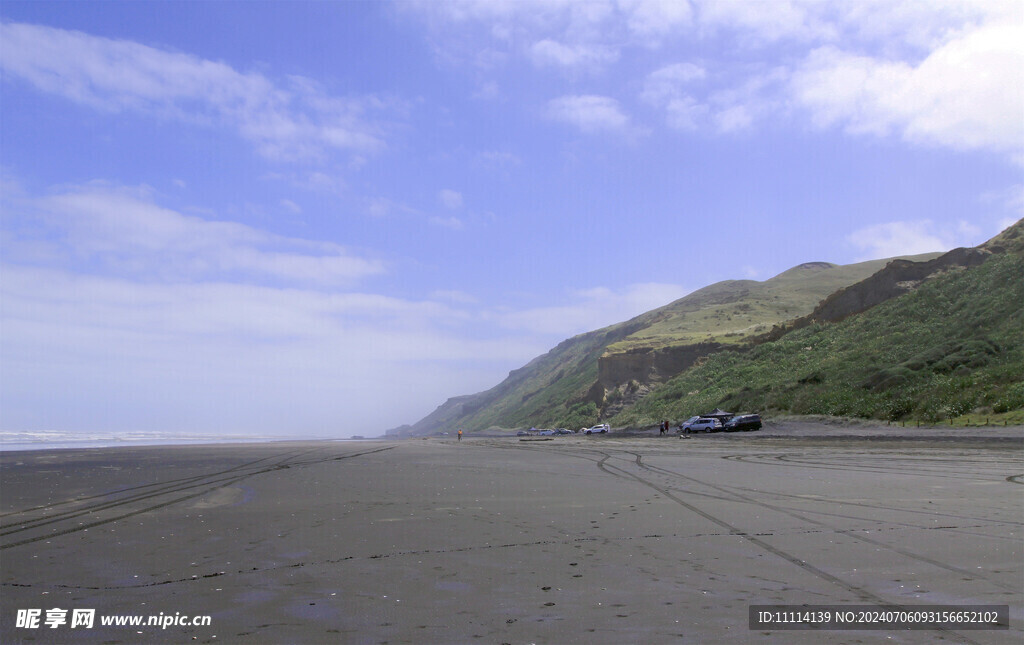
{"x": 617, "y": 539}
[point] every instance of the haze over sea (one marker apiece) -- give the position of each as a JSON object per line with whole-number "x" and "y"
{"x": 53, "y": 439}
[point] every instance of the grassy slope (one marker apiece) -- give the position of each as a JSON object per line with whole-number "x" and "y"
{"x": 551, "y": 389}
{"x": 953, "y": 346}
{"x": 731, "y": 311}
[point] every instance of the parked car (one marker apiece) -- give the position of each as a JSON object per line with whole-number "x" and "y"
{"x": 522, "y": 433}
{"x": 685, "y": 424}
{"x": 743, "y": 422}
{"x": 563, "y": 431}
{"x": 546, "y": 433}
{"x": 600, "y": 428}
{"x": 702, "y": 424}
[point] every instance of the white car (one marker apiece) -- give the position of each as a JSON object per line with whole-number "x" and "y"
{"x": 600, "y": 428}
{"x": 546, "y": 433}
{"x": 707, "y": 424}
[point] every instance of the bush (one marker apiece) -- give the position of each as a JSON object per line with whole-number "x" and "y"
{"x": 579, "y": 415}
{"x": 1009, "y": 398}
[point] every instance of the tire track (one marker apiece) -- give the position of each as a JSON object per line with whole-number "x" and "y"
{"x": 621, "y": 473}
{"x": 879, "y": 507}
{"x": 603, "y": 465}
{"x": 825, "y": 526}
{"x": 169, "y": 486}
{"x": 119, "y": 491}
{"x": 207, "y": 487}
{"x": 772, "y": 459}
{"x": 859, "y": 592}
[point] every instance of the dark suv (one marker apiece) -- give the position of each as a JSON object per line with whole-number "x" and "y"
{"x": 743, "y": 422}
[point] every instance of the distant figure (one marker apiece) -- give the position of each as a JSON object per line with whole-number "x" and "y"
{"x": 664, "y": 427}
{"x": 460, "y": 435}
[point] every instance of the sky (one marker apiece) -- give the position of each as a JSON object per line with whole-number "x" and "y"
{"x": 323, "y": 219}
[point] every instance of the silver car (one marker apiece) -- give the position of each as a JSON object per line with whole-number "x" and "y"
{"x": 705, "y": 424}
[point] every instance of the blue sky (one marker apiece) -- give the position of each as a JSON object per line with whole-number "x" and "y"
{"x": 323, "y": 219}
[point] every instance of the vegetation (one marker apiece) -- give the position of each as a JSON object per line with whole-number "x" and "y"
{"x": 954, "y": 346}
{"x": 729, "y": 312}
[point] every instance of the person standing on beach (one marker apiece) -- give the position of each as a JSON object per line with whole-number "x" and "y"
{"x": 460, "y": 434}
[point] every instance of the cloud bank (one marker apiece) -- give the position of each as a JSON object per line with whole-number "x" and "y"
{"x": 941, "y": 74}
{"x": 286, "y": 120}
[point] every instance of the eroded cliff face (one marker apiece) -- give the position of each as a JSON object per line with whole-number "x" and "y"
{"x": 648, "y": 365}
{"x": 626, "y": 377}
{"x": 897, "y": 278}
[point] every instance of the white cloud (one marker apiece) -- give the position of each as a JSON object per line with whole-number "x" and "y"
{"x": 289, "y": 120}
{"x": 450, "y": 199}
{"x": 900, "y": 238}
{"x": 767, "y": 21}
{"x": 686, "y": 114}
{"x": 123, "y": 230}
{"x": 653, "y": 19}
{"x": 965, "y": 94}
{"x": 734, "y": 118}
{"x": 905, "y": 29}
{"x": 671, "y": 82}
{"x": 943, "y": 73}
{"x": 291, "y": 206}
{"x": 551, "y": 53}
{"x": 568, "y": 34}
{"x": 741, "y": 98}
{"x": 590, "y": 113}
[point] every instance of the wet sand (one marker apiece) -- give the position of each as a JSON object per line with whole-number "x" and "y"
{"x": 617, "y": 539}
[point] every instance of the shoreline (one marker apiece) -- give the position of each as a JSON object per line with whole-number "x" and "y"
{"x": 14, "y": 447}
{"x": 780, "y": 427}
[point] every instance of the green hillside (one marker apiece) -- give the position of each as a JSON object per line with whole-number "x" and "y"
{"x": 929, "y": 337}
{"x": 566, "y": 386}
{"x": 732, "y": 311}
{"x": 953, "y": 346}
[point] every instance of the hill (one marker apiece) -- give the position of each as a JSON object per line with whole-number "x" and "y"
{"x": 603, "y": 371}
{"x": 952, "y": 346}
{"x": 925, "y": 337}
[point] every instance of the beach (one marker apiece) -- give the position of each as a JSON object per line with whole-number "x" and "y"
{"x": 624, "y": 538}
